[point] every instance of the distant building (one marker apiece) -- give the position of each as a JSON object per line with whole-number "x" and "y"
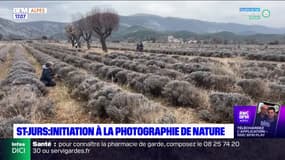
{"x": 172, "y": 39}
{"x": 148, "y": 41}
{"x": 192, "y": 42}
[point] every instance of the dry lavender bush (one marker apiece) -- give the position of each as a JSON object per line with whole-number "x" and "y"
{"x": 103, "y": 98}
{"x": 148, "y": 84}
{"x": 267, "y": 56}
{"x": 221, "y": 106}
{"x": 22, "y": 95}
{"x": 277, "y": 92}
{"x": 208, "y": 78}
{"x": 260, "y": 70}
{"x": 184, "y": 94}
{"x": 6, "y": 125}
{"x": 255, "y": 88}
{"x": 211, "y": 81}
{"x": 176, "y": 50}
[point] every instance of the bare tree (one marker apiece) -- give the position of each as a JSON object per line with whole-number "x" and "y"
{"x": 68, "y": 32}
{"x": 85, "y": 28}
{"x": 73, "y": 34}
{"x": 103, "y": 23}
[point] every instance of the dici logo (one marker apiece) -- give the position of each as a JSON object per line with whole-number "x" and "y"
{"x": 265, "y": 13}
{"x": 16, "y": 149}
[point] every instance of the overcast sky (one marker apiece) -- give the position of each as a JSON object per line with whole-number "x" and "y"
{"x": 215, "y": 11}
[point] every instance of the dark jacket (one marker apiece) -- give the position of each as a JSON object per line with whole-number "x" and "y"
{"x": 270, "y": 131}
{"x": 47, "y": 75}
{"x": 259, "y": 119}
{"x": 141, "y": 46}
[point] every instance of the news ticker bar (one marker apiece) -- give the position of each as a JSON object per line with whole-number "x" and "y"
{"x": 140, "y": 0}
{"x": 124, "y": 131}
{"x": 14, "y": 149}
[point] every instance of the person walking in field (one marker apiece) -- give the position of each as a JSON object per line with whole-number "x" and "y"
{"x": 47, "y": 75}
{"x": 140, "y": 46}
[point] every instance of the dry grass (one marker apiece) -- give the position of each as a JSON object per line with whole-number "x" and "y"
{"x": 2, "y": 46}
{"x": 6, "y": 65}
{"x": 33, "y": 61}
{"x": 68, "y": 110}
{"x": 85, "y": 50}
{"x": 183, "y": 114}
{"x": 99, "y": 50}
{"x": 128, "y": 88}
{"x": 186, "y": 115}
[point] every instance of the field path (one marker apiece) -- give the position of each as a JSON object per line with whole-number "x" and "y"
{"x": 7, "y": 64}
{"x": 67, "y": 109}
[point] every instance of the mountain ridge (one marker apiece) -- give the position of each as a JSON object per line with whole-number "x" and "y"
{"x": 137, "y": 25}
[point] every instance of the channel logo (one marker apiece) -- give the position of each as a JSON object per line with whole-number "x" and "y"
{"x": 22, "y": 13}
{"x": 37, "y": 10}
{"x": 243, "y": 115}
{"x": 20, "y": 16}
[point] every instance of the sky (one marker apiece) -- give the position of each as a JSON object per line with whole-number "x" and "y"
{"x": 214, "y": 11}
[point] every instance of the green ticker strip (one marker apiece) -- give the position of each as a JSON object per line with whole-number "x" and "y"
{"x": 17, "y": 149}
{"x": 254, "y": 17}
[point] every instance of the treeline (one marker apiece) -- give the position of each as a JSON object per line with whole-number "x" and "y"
{"x": 96, "y": 23}
{"x": 127, "y": 34}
